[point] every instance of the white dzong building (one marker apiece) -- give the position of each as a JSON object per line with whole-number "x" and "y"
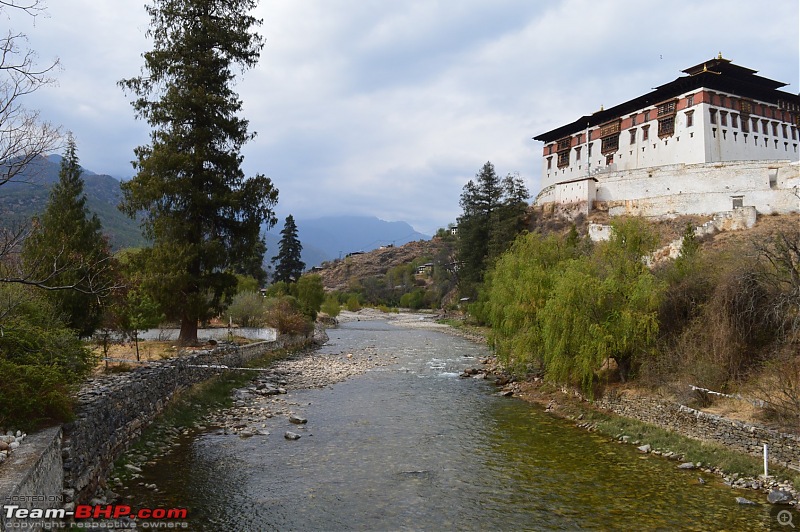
{"x": 718, "y": 138}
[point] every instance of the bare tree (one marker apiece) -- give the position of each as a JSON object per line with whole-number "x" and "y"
{"x": 23, "y": 136}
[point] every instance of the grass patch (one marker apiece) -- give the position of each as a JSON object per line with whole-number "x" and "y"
{"x": 463, "y": 326}
{"x": 710, "y": 454}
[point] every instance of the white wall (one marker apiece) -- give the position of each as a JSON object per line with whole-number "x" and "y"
{"x": 701, "y": 189}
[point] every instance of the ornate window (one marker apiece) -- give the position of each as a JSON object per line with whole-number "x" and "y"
{"x": 666, "y": 126}
{"x": 563, "y": 146}
{"x": 689, "y": 118}
{"x": 745, "y": 107}
{"x": 667, "y": 108}
{"x": 610, "y": 144}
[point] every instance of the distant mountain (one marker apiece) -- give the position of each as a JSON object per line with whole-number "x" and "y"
{"x": 330, "y": 237}
{"x": 27, "y": 194}
{"x": 322, "y": 238}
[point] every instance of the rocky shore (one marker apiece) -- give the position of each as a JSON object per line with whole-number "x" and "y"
{"x": 10, "y": 442}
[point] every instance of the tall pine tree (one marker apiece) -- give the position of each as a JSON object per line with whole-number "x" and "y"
{"x": 288, "y": 266}
{"x": 203, "y": 216}
{"x": 68, "y": 251}
{"x": 493, "y": 211}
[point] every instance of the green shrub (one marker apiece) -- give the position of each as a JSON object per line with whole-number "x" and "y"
{"x": 247, "y": 309}
{"x": 40, "y": 360}
{"x": 331, "y": 305}
{"x": 32, "y": 395}
{"x": 353, "y": 304}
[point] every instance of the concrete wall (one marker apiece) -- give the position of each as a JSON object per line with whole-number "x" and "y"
{"x": 770, "y": 187}
{"x": 784, "y": 449}
{"x": 701, "y": 189}
{"x": 32, "y": 476}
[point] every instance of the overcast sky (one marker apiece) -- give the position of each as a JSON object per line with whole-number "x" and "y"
{"x": 388, "y": 108}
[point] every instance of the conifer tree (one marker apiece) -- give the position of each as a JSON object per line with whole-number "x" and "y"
{"x": 288, "y": 266}
{"x": 203, "y": 216}
{"x": 68, "y": 250}
{"x": 493, "y": 211}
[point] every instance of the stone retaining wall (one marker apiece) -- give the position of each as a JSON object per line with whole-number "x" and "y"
{"x": 113, "y": 410}
{"x": 784, "y": 449}
{"x": 32, "y": 476}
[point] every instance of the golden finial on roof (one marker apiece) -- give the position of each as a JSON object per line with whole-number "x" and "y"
{"x": 719, "y": 56}
{"x": 601, "y": 107}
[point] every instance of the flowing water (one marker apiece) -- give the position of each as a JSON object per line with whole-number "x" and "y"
{"x": 413, "y": 447}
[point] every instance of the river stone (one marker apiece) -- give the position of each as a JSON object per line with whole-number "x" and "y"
{"x": 291, "y": 435}
{"x": 297, "y": 420}
{"x": 645, "y": 448}
{"x": 687, "y": 465}
{"x": 779, "y": 497}
{"x": 3, "y": 446}
{"x": 745, "y": 502}
{"x": 13, "y": 445}
{"x": 132, "y": 468}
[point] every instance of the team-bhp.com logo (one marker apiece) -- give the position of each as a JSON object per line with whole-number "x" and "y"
{"x": 93, "y": 516}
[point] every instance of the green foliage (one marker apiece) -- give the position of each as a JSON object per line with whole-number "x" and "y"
{"x": 203, "y": 216}
{"x": 247, "y": 309}
{"x": 550, "y": 305}
{"x": 246, "y": 283}
{"x": 515, "y": 293}
{"x": 331, "y": 305}
{"x": 353, "y": 304}
{"x": 414, "y": 300}
{"x": 493, "y": 214}
{"x": 67, "y": 249}
{"x": 40, "y": 359}
{"x": 288, "y": 266}
{"x": 310, "y": 294}
{"x": 32, "y": 395}
{"x": 279, "y": 288}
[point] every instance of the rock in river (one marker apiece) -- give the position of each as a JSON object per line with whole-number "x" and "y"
{"x": 291, "y": 435}
{"x": 297, "y": 420}
{"x": 779, "y": 497}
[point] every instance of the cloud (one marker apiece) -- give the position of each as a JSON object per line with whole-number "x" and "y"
{"x": 389, "y": 108}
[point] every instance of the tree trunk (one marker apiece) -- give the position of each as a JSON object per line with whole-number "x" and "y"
{"x": 623, "y": 368}
{"x": 188, "y": 334}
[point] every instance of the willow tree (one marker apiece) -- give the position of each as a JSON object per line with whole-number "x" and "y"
{"x": 202, "y": 214}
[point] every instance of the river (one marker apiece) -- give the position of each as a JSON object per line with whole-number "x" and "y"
{"x": 410, "y": 446}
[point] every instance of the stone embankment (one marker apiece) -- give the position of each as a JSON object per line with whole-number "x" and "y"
{"x": 111, "y": 413}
